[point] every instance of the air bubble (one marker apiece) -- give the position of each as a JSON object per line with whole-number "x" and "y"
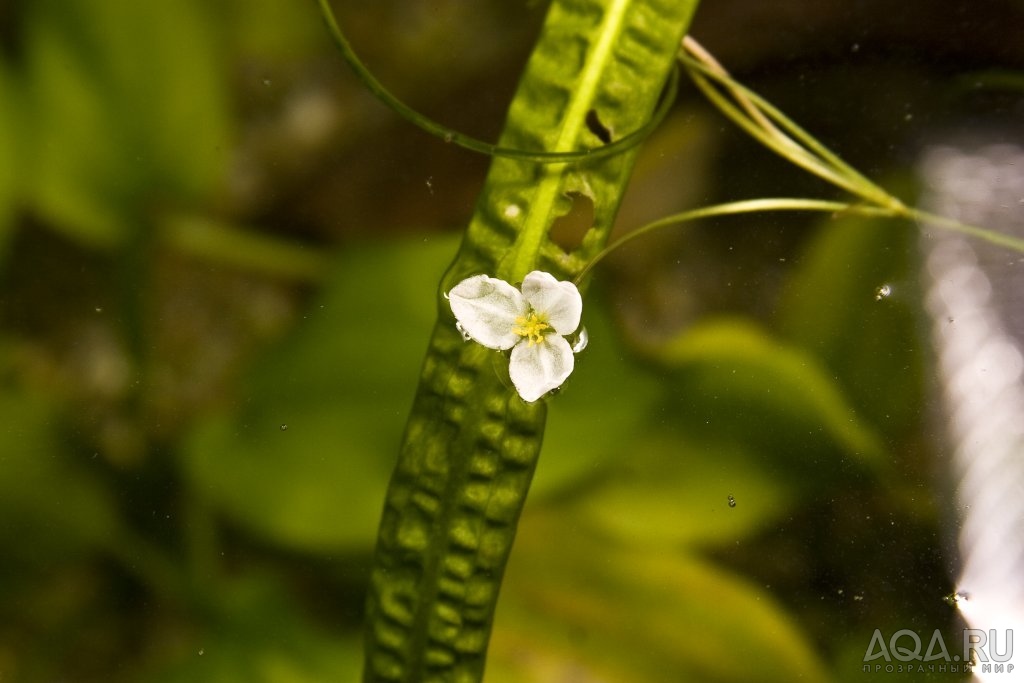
{"x": 732, "y": 501}
{"x": 581, "y": 340}
{"x": 284, "y": 428}
{"x": 883, "y": 292}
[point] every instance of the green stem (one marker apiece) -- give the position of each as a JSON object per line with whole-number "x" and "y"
{"x": 943, "y": 223}
{"x": 468, "y": 142}
{"x": 800, "y": 204}
{"x": 801, "y": 149}
{"x": 737, "y": 208}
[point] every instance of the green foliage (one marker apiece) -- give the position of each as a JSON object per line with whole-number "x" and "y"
{"x": 785, "y": 399}
{"x": 113, "y": 92}
{"x": 840, "y": 314}
{"x": 573, "y": 597}
{"x": 44, "y": 494}
{"x": 10, "y": 160}
{"x": 303, "y": 461}
{"x": 260, "y": 637}
{"x": 597, "y": 414}
{"x": 234, "y": 544}
{"x": 471, "y": 444}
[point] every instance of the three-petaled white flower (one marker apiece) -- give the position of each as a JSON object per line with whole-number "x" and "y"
{"x": 533, "y": 323}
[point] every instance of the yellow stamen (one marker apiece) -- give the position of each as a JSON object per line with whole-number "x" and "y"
{"x": 531, "y": 326}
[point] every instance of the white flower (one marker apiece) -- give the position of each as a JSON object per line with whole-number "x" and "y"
{"x": 533, "y": 323}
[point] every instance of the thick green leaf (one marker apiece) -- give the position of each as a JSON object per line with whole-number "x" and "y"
{"x": 869, "y": 342}
{"x": 128, "y": 108}
{"x": 735, "y": 381}
{"x": 304, "y": 459}
{"x": 578, "y": 606}
{"x": 471, "y": 443}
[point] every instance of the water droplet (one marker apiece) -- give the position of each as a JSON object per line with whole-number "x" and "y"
{"x": 512, "y": 211}
{"x": 284, "y": 428}
{"x": 201, "y": 652}
{"x": 448, "y": 137}
{"x": 462, "y": 330}
{"x": 98, "y": 309}
{"x": 581, "y": 340}
{"x": 954, "y": 599}
{"x": 883, "y": 292}
{"x": 266, "y": 82}
{"x": 732, "y": 501}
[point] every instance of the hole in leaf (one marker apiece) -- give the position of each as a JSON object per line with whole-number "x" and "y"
{"x": 568, "y": 230}
{"x": 595, "y": 126}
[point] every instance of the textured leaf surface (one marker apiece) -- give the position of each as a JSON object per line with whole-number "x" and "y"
{"x": 471, "y": 444}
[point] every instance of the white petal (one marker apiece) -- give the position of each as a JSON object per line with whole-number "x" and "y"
{"x": 487, "y": 308}
{"x": 536, "y": 369}
{"x": 559, "y": 302}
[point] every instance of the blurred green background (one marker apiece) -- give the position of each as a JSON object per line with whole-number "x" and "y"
{"x": 218, "y": 256}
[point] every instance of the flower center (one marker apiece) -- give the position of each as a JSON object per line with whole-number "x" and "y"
{"x": 531, "y": 326}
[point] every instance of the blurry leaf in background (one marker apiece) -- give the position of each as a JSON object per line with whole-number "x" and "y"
{"x": 9, "y": 158}
{"x": 50, "y": 509}
{"x": 598, "y": 412}
{"x": 249, "y": 249}
{"x": 56, "y": 523}
{"x": 666, "y": 490}
{"x": 261, "y": 636}
{"x": 732, "y": 379}
{"x": 272, "y": 31}
{"x": 836, "y": 308}
{"x": 578, "y": 606}
{"x": 129, "y": 109}
{"x": 305, "y": 459}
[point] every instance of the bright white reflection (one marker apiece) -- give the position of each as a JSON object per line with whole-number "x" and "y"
{"x": 981, "y": 367}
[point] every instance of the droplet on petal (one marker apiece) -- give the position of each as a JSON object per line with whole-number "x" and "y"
{"x": 580, "y": 340}
{"x": 462, "y": 330}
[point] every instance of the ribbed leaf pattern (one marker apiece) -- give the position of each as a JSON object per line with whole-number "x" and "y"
{"x": 471, "y": 443}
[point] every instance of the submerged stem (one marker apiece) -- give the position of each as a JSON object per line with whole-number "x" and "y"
{"x": 468, "y": 142}
{"x": 736, "y": 208}
{"x": 786, "y": 138}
